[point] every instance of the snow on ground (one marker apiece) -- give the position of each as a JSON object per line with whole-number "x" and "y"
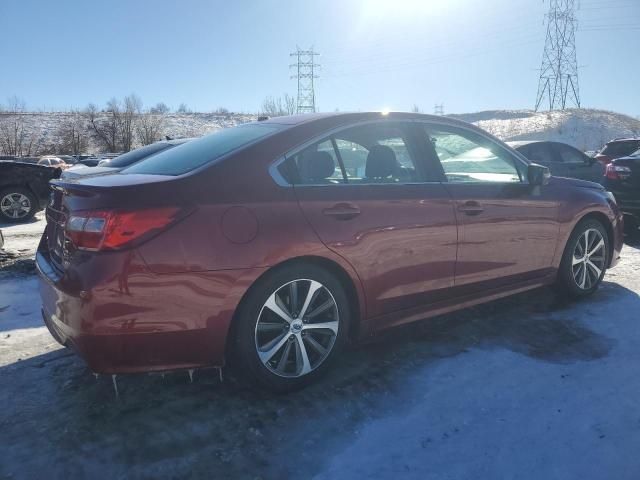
{"x": 527, "y": 387}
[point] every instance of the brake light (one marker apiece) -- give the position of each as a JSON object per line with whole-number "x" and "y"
{"x": 617, "y": 172}
{"x": 112, "y": 229}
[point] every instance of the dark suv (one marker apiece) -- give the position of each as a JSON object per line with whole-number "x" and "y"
{"x": 620, "y": 147}
{"x": 622, "y": 178}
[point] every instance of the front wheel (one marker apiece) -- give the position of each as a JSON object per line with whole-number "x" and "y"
{"x": 291, "y": 325}
{"x": 585, "y": 259}
{"x": 17, "y": 204}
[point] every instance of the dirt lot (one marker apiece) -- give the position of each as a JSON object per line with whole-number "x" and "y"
{"x": 527, "y": 387}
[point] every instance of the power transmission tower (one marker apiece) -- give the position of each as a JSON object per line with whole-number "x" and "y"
{"x": 558, "y": 81}
{"x": 438, "y": 109}
{"x": 305, "y": 74}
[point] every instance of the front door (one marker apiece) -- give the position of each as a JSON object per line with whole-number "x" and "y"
{"x": 507, "y": 229}
{"x": 369, "y": 196}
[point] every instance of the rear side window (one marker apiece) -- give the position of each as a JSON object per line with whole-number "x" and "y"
{"x": 569, "y": 155}
{"x": 194, "y": 154}
{"x": 620, "y": 149}
{"x": 538, "y": 153}
{"x": 138, "y": 154}
{"x": 366, "y": 154}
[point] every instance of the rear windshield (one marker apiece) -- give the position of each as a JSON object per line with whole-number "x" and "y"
{"x": 194, "y": 154}
{"x": 620, "y": 149}
{"x": 133, "y": 156}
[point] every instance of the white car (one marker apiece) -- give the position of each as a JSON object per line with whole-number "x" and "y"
{"x": 51, "y": 161}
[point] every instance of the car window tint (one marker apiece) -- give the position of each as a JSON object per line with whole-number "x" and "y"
{"x": 467, "y": 158}
{"x": 378, "y": 153}
{"x": 569, "y": 155}
{"x": 194, "y": 154}
{"x": 539, "y": 153}
{"x": 620, "y": 148}
{"x": 138, "y": 154}
{"x": 317, "y": 165}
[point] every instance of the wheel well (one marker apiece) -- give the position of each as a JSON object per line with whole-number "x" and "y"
{"x": 606, "y": 223}
{"x": 328, "y": 265}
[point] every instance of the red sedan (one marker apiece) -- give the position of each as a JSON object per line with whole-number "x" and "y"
{"x": 274, "y": 244}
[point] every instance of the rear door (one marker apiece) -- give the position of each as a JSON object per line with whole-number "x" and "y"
{"x": 371, "y": 197}
{"x": 507, "y": 229}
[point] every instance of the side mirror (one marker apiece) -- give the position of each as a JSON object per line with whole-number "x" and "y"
{"x": 538, "y": 175}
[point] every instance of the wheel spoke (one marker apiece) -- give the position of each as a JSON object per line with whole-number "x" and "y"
{"x": 598, "y": 246}
{"x": 577, "y": 260}
{"x": 320, "y": 309}
{"x": 267, "y": 352}
{"x": 275, "y": 305}
{"x": 282, "y": 364}
{"x": 313, "y": 288}
{"x": 293, "y": 297}
{"x": 302, "y": 359}
{"x": 270, "y": 326}
{"x": 594, "y": 268}
{"x": 316, "y": 346}
{"x": 331, "y": 325}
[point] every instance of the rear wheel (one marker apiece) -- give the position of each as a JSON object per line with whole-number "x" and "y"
{"x": 17, "y": 204}
{"x": 291, "y": 326}
{"x": 585, "y": 259}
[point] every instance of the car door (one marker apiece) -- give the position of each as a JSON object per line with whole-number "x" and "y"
{"x": 507, "y": 229}
{"x": 577, "y": 164}
{"x": 371, "y": 198}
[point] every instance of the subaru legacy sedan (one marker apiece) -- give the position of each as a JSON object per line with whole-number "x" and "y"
{"x": 274, "y": 244}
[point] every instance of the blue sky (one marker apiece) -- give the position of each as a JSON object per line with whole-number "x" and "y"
{"x": 469, "y": 55}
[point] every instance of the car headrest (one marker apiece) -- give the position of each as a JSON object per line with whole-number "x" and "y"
{"x": 316, "y": 166}
{"x": 381, "y": 162}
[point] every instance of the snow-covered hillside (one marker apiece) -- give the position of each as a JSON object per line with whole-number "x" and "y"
{"x": 586, "y": 129}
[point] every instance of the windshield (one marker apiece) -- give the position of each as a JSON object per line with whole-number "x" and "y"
{"x": 136, "y": 155}
{"x": 621, "y": 148}
{"x": 194, "y": 154}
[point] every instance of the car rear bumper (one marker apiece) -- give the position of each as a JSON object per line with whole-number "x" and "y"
{"x": 143, "y": 322}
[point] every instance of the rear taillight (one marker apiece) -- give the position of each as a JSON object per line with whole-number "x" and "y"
{"x": 113, "y": 229}
{"x": 617, "y": 172}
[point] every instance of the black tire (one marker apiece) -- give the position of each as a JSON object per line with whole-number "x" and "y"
{"x": 245, "y": 357}
{"x": 566, "y": 282}
{"x": 18, "y": 191}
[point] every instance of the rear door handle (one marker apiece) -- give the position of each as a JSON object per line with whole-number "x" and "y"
{"x": 471, "y": 208}
{"x": 342, "y": 211}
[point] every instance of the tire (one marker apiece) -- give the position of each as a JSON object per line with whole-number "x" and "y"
{"x": 578, "y": 275}
{"x": 268, "y": 348}
{"x": 10, "y": 197}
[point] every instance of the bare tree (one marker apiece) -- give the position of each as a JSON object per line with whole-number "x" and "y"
{"x": 105, "y": 125}
{"x": 182, "y": 108}
{"x": 131, "y": 108}
{"x": 416, "y": 108}
{"x": 279, "y": 106}
{"x": 13, "y": 134}
{"x": 160, "y": 108}
{"x": 73, "y": 134}
{"x": 149, "y": 127}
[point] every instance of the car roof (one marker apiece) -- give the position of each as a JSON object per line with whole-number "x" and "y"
{"x": 629, "y": 139}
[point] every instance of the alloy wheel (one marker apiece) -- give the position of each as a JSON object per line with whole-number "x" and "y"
{"x": 589, "y": 258}
{"x": 297, "y": 328}
{"x": 15, "y": 205}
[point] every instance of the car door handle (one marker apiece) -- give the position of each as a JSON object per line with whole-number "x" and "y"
{"x": 342, "y": 211}
{"x": 471, "y": 208}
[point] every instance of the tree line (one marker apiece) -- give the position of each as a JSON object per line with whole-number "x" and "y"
{"x": 118, "y": 126}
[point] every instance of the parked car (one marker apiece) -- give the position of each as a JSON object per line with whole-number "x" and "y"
{"x": 51, "y": 161}
{"x": 562, "y": 160}
{"x": 273, "y": 244}
{"x": 86, "y": 160}
{"x": 620, "y": 147}
{"x": 622, "y": 178}
{"x": 24, "y": 189}
{"x": 122, "y": 161}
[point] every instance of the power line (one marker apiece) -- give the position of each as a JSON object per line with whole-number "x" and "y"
{"x": 558, "y": 81}
{"x": 305, "y": 74}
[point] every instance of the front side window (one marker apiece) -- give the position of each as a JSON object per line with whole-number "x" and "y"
{"x": 569, "y": 155}
{"x": 469, "y": 158}
{"x": 538, "y": 153}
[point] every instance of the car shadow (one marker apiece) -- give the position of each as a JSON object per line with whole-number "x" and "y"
{"x": 51, "y": 404}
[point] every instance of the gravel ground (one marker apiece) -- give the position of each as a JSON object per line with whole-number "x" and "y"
{"x": 527, "y": 387}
